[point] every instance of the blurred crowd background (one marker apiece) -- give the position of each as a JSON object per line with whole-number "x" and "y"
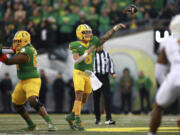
{"x": 52, "y": 24}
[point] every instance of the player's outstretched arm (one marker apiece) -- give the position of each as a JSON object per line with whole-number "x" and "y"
{"x": 19, "y": 59}
{"x": 109, "y": 34}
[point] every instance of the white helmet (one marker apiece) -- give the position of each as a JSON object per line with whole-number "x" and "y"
{"x": 175, "y": 25}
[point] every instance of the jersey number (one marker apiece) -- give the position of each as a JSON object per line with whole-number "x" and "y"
{"x": 88, "y": 59}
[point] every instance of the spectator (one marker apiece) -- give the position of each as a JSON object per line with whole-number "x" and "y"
{"x": 104, "y": 22}
{"x": 143, "y": 86}
{"x": 58, "y": 89}
{"x": 75, "y": 12}
{"x": 50, "y": 13}
{"x": 85, "y": 7}
{"x": 82, "y": 19}
{"x": 71, "y": 93}
{"x": 97, "y": 4}
{"x": 44, "y": 86}
{"x": 36, "y": 16}
{"x": 177, "y": 5}
{"x": 123, "y": 16}
{"x": 66, "y": 24}
{"x": 112, "y": 89}
{"x": 20, "y": 13}
{"x": 168, "y": 13}
{"x": 6, "y": 88}
{"x": 47, "y": 35}
{"x": 32, "y": 29}
{"x": 126, "y": 84}
{"x": 150, "y": 12}
{"x": 92, "y": 19}
{"x": 114, "y": 14}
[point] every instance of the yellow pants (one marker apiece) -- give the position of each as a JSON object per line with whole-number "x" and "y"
{"x": 81, "y": 82}
{"x": 25, "y": 89}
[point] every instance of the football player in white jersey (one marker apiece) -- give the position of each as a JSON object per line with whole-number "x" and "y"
{"x": 169, "y": 90}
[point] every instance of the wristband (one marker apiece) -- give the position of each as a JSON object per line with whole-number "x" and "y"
{"x": 116, "y": 28}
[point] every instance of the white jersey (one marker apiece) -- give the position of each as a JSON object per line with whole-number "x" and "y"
{"x": 169, "y": 91}
{"x": 172, "y": 50}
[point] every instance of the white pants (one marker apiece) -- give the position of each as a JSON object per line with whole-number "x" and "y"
{"x": 169, "y": 90}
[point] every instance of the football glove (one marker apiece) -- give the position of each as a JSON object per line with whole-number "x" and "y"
{"x": 3, "y": 57}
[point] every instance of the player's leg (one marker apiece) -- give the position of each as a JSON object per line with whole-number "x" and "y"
{"x": 79, "y": 82}
{"x": 20, "y": 109}
{"x": 82, "y": 97}
{"x": 18, "y": 100}
{"x": 166, "y": 95}
{"x": 77, "y": 109}
{"x": 155, "y": 119}
{"x": 39, "y": 107}
{"x": 32, "y": 87}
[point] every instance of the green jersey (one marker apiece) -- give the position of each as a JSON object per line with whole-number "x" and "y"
{"x": 29, "y": 69}
{"x": 80, "y": 48}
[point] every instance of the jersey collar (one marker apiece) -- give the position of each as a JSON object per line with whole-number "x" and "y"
{"x": 85, "y": 45}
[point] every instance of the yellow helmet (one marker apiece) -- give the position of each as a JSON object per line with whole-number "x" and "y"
{"x": 84, "y": 32}
{"x": 21, "y": 39}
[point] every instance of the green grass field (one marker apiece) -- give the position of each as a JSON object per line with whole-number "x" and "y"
{"x": 125, "y": 125}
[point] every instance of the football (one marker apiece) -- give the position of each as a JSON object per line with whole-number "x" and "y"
{"x": 132, "y": 9}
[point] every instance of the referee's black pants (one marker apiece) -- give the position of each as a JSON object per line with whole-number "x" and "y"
{"x": 105, "y": 89}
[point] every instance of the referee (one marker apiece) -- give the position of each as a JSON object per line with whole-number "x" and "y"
{"x": 103, "y": 66}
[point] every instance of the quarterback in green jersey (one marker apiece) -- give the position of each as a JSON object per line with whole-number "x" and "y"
{"x": 29, "y": 83}
{"x": 83, "y": 54}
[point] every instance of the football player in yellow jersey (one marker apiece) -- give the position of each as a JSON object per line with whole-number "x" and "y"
{"x": 29, "y": 83}
{"x": 83, "y": 55}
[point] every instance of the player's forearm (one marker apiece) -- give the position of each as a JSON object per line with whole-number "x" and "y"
{"x": 10, "y": 61}
{"x": 81, "y": 58}
{"x": 107, "y": 36}
{"x": 16, "y": 60}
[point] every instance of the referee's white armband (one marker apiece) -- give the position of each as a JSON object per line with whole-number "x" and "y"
{"x": 160, "y": 72}
{"x": 81, "y": 58}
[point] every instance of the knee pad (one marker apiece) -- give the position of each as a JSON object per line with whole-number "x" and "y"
{"x": 37, "y": 105}
{"x": 20, "y": 109}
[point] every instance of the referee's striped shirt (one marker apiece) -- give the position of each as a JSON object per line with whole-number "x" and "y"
{"x": 103, "y": 63}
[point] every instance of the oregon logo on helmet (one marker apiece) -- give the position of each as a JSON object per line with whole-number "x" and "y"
{"x": 84, "y": 32}
{"x": 21, "y": 39}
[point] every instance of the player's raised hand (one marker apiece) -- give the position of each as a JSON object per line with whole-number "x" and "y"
{"x": 119, "y": 26}
{"x": 91, "y": 49}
